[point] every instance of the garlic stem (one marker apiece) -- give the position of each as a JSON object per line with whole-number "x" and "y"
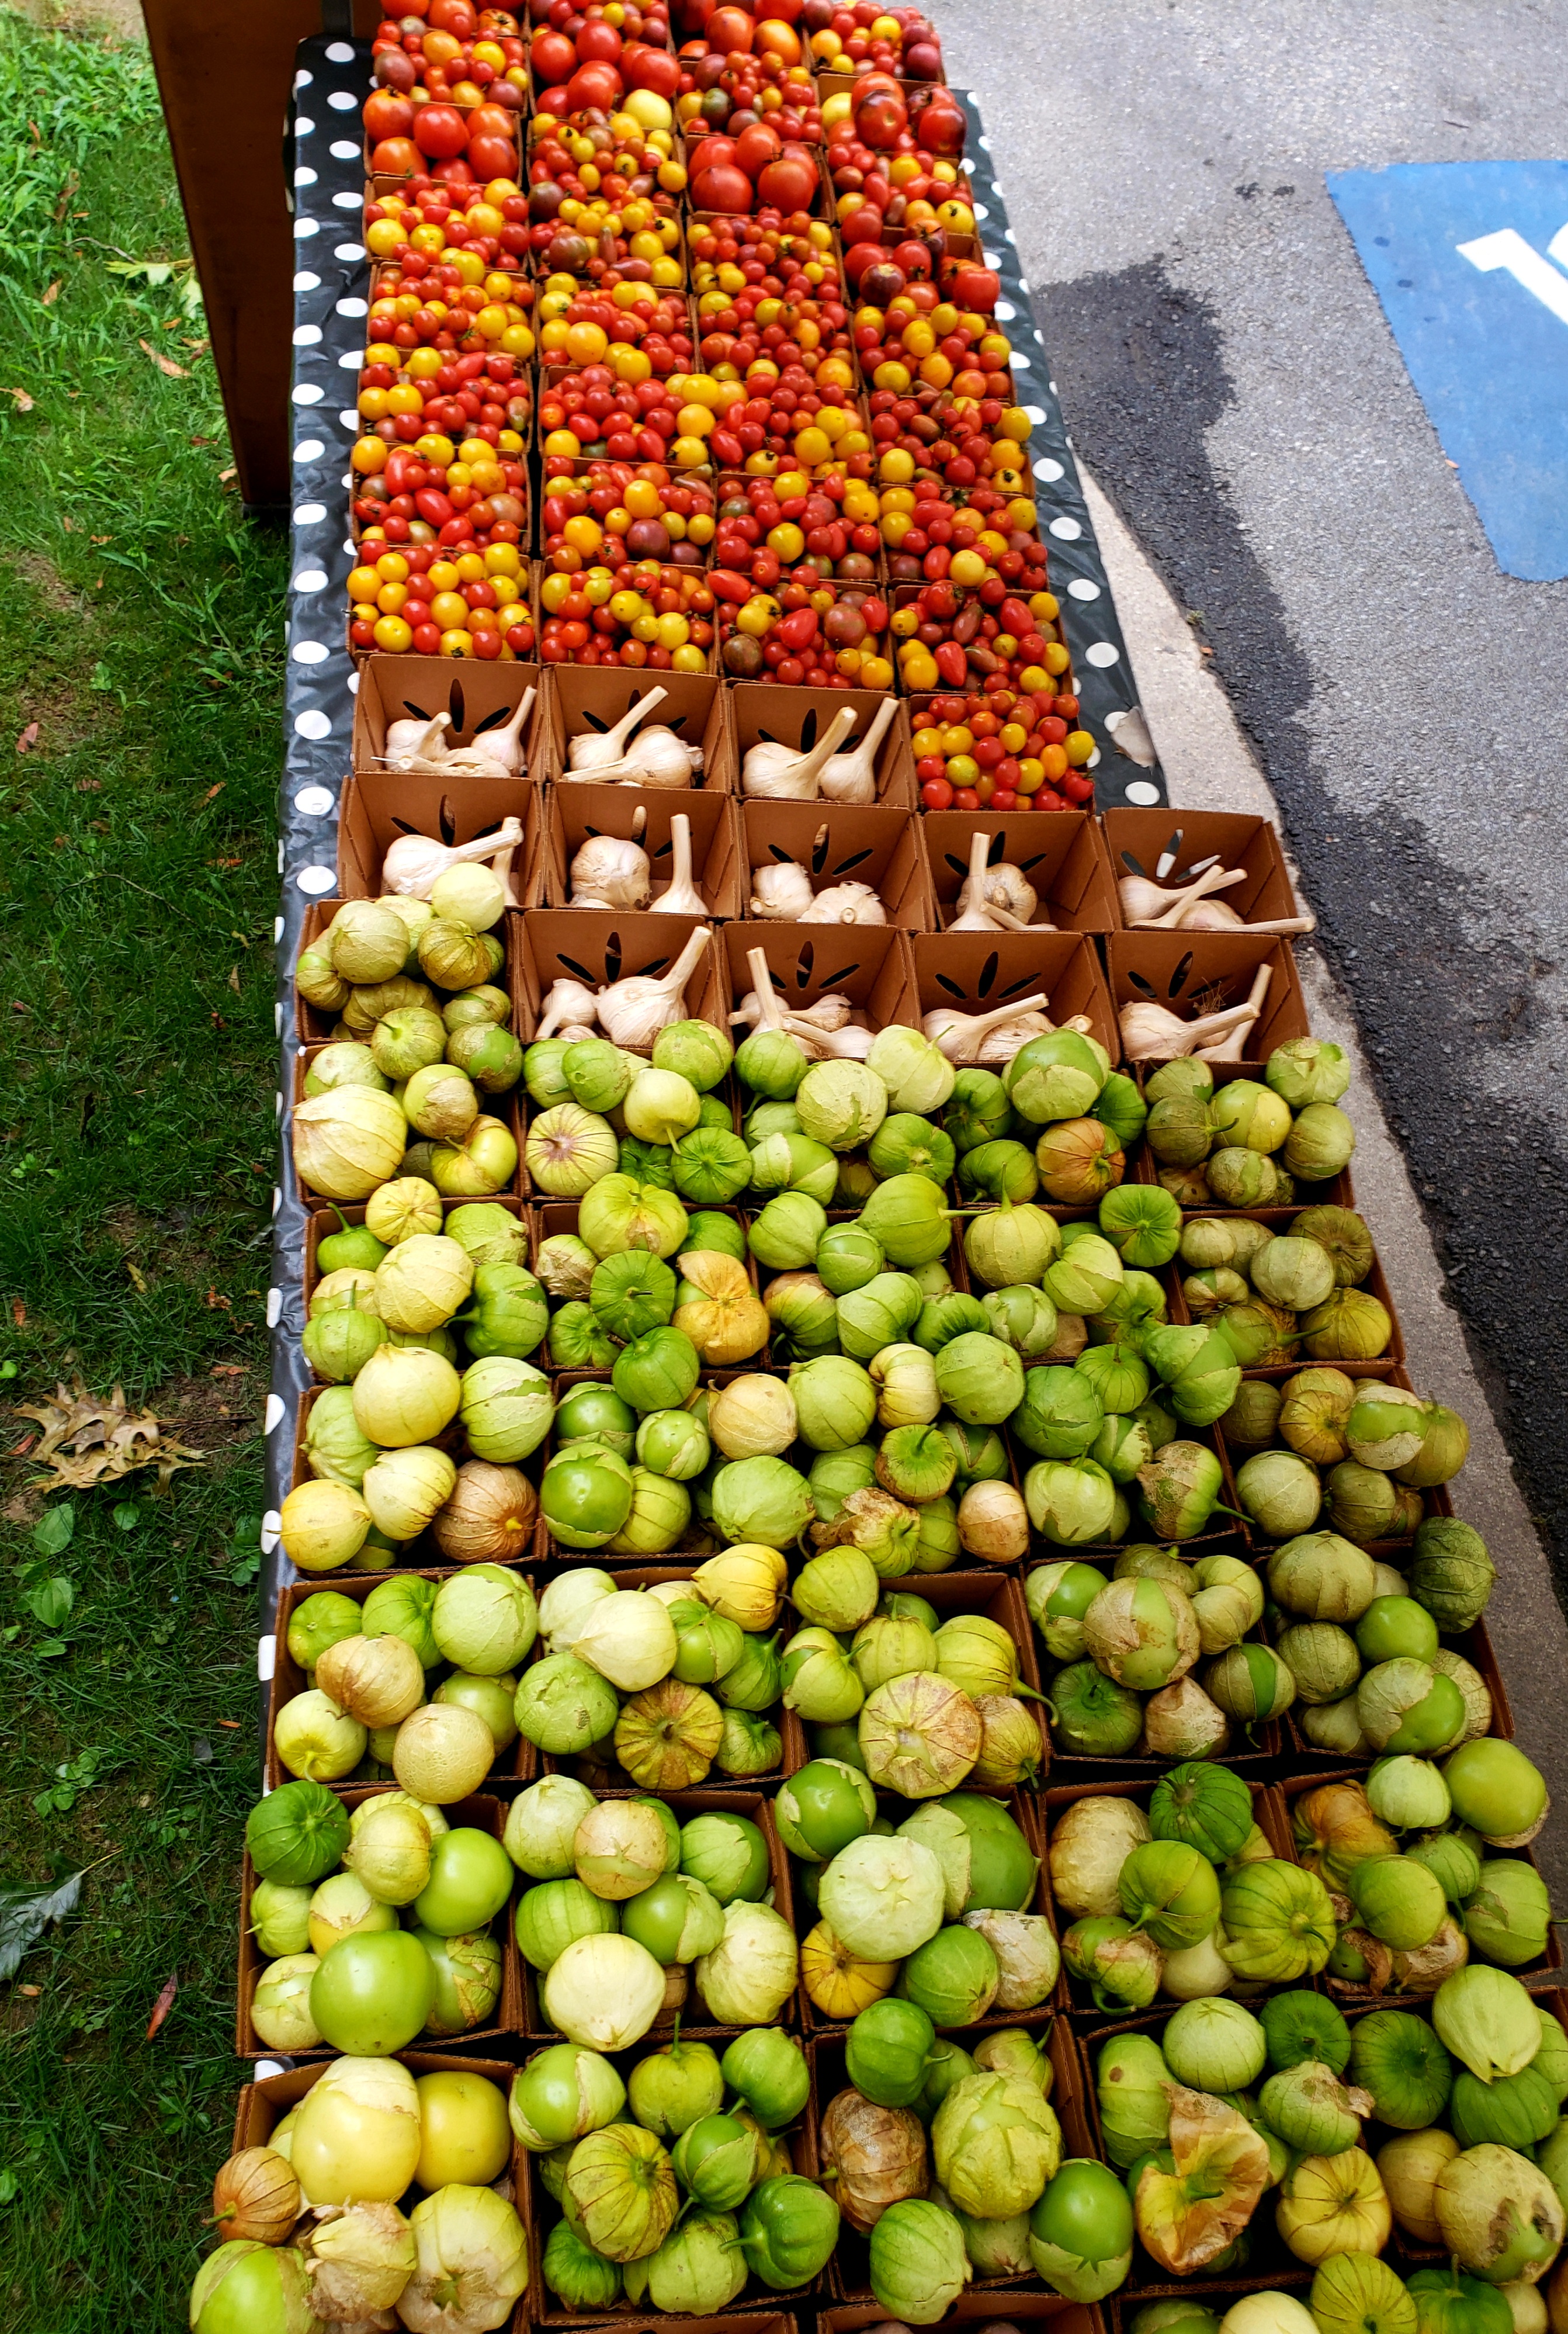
{"x": 783, "y": 773}
{"x": 1231, "y": 1048}
{"x": 849, "y": 1044}
{"x": 596, "y": 747}
{"x": 682, "y": 897}
{"x": 851, "y": 777}
{"x": 413, "y": 864}
{"x": 1149, "y": 1033}
{"x": 1151, "y": 908}
{"x": 769, "y": 1013}
{"x": 958, "y": 1035}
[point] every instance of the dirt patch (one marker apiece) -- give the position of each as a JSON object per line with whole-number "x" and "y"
{"x": 110, "y": 20}
{"x": 214, "y": 1412}
{"x": 47, "y": 582}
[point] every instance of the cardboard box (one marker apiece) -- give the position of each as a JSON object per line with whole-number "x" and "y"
{"x": 591, "y": 946}
{"x": 695, "y": 2022}
{"x": 323, "y": 1222}
{"x": 1140, "y": 841}
{"x": 264, "y": 2104}
{"x": 1063, "y": 856}
{"x": 378, "y": 807}
{"x": 867, "y": 963}
{"x": 314, "y": 1025}
{"x": 1031, "y": 2307}
{"x": 978, "y": 972}
{"x": 1474, "y": 1645}
{"x": 798, "y": 717}
{"x": 516, "y": 1764}
{"x": 585, "y": 698}
{"x": 482, "y": 1812}
{"x": 880, "y": 847}
{"x": 575, "y": 811}
{"x": 1176, "y": 970}
{"x": 506, "y": 1107}
{"x": 478, "y": 696}
{"x": 1280, "y": 1221}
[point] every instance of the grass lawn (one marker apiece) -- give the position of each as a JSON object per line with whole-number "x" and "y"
{"x": 141, "y": 701}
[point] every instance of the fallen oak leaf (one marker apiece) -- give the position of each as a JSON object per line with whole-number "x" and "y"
{"x": 165, "y": 364}
{"x": 162, "y": 2006}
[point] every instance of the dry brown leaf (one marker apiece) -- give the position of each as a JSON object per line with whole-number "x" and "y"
{"x": 214, "y": 790}
{"x": 24, "y": 403}
{"x": 162, "y": 2006}
{"x": 165, "y": 364}
{"x": 234, "y": 979}
{"x": 19, "y": 1312}
{"x": 28, "y": 739}
{"x": 101, "y": 1441}
{"x": 216, "y": 1304}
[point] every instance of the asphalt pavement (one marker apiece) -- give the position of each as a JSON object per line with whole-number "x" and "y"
{"x": 1230, "y": 381}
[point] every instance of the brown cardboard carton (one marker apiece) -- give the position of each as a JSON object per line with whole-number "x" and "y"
{"x": 589, "y": 697}
{"x": 978, "y": 972}
{"x": 323, "y": 1222}
{"x": 867, "y": 963}
{"x": 383, "y": 805}
{"x": 478, "y": 696}
{"x": 798, "y": 717}
{"x": 1179, "y": 971}
{"x": 1063, "y": 856}
{"x": 1138, "y": 842}
{"x": 506, "y": 1107}
{"x": 878, "y": 847}
{"x": 349, "y": 1577}
{"x": 597, "y": 948}
{"x": 575, "y": 811}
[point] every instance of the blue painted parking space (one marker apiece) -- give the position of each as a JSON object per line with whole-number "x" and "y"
{"x": 1470, "y": 262}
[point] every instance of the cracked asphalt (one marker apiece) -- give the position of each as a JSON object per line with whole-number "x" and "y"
{"x": 1229, "y": 379}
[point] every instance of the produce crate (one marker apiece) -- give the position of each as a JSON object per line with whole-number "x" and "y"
{"x": 506, "y": 1107}
{"x": 696, "y": 2027}
{"x": 775, "y": 1354}
{"x": 1023, "y": 1807}
{"x": 1475, "y": 1645}
{"x": 977, "y": 972}
{"x": 589, "y": 697}
{"x": 264, "y": 2104}
{"x": 379, "y": 806}
{"x": 1141, "y": 842}
{"x": 1064, "y": 857}
{"x": 481, "y": 1812}
{"x": 1339, "y": 1191}
{"x": 321, "y": 1223}
{"x": 598, "y": 948}
{"x": 850, "y": 2267}
{"x": 609, "y": 1779}
{"x": 1027, "y": 2306}
{"x": 1172, "y": 968}
{"x": 516, "y": 1764}
{"x": 1269, "y": 1812}
{"x": 768, "y": 710}
{"x": 1535, "y": 1974}
{"x": 1280, "y": 1221}
{"x": 867, "y": 963}
{"x": 577, "y": 809}
{"x": 478, "y": 695}
{"x": 1213, "y": 1540}
{"x": 879, "y": 846}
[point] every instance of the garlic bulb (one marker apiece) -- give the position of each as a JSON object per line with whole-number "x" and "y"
{"x": 633, "y": 1011}
{"x": 828, "y": 1012}
{"x": 1150, "y": 1034}
{"x": 568, "y": 1000}
{"x": 851, "y": 777}
{"x": 1151, "y": 908}
{"x": 845, "y": 903}
{"x": 417, "y": 740}
{"x": 656, "y": 758}
{"x": 849, "y": 1044}
{"x": 418, "y": 748}
{"x": 782, "y": 892}
{"x": 681, "y": 896}
{"x": 500, "y": 748}
{"x": 1231, "y": 1048}
{"x": 775, "y": 773}
{"x": 608, "y": 872}
{"x": 414, "y": 864}
{"x": 999, "y": 899}
{"x": 959, "y": 1034}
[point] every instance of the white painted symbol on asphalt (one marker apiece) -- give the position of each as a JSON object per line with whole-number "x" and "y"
{"x": 1508, "y": 249}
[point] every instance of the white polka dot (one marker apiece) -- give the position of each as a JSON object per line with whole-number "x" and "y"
{"x": 304, "y": 228}
{"x": 1065, "y": 530}
{"x": 350, "y": 545}
{"x": 280, "y": 854}
{"x": 348, "y": 251}
{"x": 342, "y": 101}
{"x": 1093, "y": 761}
{"x": 1143, "y": 792}
{"x": 304, "y": 175}
{"x": 1103, "y": 653}
{"x": 307, "y": 450}
{"x": 1049, "y": 471}
{"x": 311, "y": 579}
{"x": 308, "y": 514}
{"x": 339, "y": 52}
{"x": 309, "y": 652}
{"x": 304, "y": 281}
{"x": 1004, "y": 311}
{"x": 277, "y": 930}
{"x": 313, "y": 725}
{"x": 267, "y": 1647}
{"x": 353, "y": 684}
{"x": 350, "y": 360}
{"x": 350, "y": 420}
{"x": 277, "y": 1199}
{"x": 343, "y": 150}
{"x": 273, "y": 1416}
{"x": 1053, "y": 384}
{"x": 275, "y": 1306}
{"x": 303, "y": 129}
{"x": 981, "y": 212}
{"x": 347, "y": 201}
{"x": 307, "y": 336}
{"x": 353, "y": 307}
{"x": 303, "y": 80}
{"x": 265, "y": 2067}
{"x": 307, "y": 392}
{"x": 984, "y": 144}
{"x": 992, "y": 258}
{"x": 1035, "y": 413}
{"x": 316, "y": 882}
{"x": 1081, "y": 588}
{"x": 277, "y": 1105}
{"x": 314, "y": 801}
{"x": 277, "y": 1013}
{"x": 1023, "y": 280}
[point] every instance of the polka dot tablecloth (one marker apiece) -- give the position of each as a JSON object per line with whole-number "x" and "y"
{"x": 332, "y": 283}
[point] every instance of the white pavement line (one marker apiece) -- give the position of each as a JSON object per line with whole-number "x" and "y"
{"x": 1208, "y": 766}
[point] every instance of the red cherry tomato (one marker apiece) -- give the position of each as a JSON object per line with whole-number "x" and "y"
{"x": 440, "y": 132}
